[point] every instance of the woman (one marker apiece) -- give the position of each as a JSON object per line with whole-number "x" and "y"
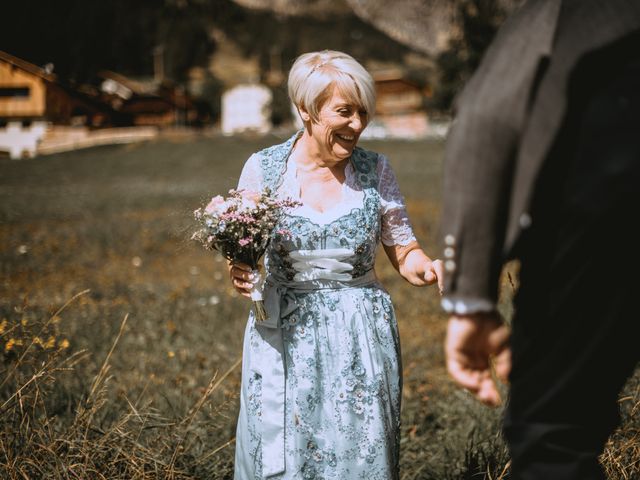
{"x": 321, "y": 379}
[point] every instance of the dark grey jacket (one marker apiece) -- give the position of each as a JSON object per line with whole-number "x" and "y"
{"x": 506, "y": 120}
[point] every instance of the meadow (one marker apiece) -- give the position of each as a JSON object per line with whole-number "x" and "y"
{"x": 121, "y": 338}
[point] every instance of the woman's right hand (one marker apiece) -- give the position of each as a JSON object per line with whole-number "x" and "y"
{"x": 241, "y": 277}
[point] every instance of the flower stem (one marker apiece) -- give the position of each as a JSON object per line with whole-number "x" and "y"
{"x": 259, "y": 311}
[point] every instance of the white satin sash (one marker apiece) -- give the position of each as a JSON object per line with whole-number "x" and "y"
{"x": 322, "y": 264}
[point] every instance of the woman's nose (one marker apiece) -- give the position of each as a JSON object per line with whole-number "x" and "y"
{"x": 357, "y": 123}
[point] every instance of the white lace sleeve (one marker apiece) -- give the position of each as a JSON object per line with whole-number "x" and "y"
{"x": 396, "y": 228}
{"x": 251, "y": 176}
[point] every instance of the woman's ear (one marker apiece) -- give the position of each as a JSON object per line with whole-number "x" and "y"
{"x": 304, "y": 114}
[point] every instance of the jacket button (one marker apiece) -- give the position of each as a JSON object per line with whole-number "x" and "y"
{"x": 525, "y": 220}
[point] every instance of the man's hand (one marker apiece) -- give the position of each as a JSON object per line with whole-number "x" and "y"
{"x": 474, "y": 344}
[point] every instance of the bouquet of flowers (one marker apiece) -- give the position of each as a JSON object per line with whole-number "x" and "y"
{"x": 239, "y": 227}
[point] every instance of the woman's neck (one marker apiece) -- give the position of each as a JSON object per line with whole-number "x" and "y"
{"x": 309, "y": 158}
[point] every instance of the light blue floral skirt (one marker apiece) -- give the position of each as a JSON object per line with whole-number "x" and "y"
{"x": 342, "y": 390}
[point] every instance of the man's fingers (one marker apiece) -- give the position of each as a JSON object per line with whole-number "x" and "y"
{"x": 479, "y": 383}
{"x": 502, "y": 365}
{"x": 499, "y": 347}
{"x": 472, "y": 342}
{"x": 488, "y": 393}
{"x": 464, "y": 376}
{"x": 499, "y": 339}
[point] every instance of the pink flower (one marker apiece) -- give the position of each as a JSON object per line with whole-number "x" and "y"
{"x": 240, "y": 224}
{"x": 250, "y": 199}
{"x": 216, "y": 205}
{"x": 250, "y": 195}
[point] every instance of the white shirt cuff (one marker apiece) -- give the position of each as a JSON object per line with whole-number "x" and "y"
{"x": 466, "y": 307}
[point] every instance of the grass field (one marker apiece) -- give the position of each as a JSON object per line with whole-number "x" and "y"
{"x": 85, "y": 394}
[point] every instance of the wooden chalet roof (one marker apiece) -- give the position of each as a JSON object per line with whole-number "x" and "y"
{"x": 136, "y": 86}
{"x": 26, "y": 66}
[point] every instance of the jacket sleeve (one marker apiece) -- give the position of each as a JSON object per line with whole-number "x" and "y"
{"x": 478, "y": 171}
{"x": 480, "y": 153}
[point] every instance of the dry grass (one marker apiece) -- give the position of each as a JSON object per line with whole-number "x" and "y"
{"x": 120, "y": 339}
{"x": 87, "y": 440}
{"x": 621, "y": 457}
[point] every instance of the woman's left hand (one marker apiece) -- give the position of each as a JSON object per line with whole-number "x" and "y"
{"x": 417, "y": 268}
{"x": 434, "y": 272}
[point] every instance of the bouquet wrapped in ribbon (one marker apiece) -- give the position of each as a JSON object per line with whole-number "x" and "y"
{"x": 239, "y": 227}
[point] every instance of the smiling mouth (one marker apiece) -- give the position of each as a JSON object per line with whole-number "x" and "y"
{"x": 346, "y": 138}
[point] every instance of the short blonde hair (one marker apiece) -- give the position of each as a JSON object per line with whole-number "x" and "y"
{"x": 315, "y": 75}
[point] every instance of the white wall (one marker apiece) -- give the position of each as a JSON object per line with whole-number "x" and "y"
{"x": 246, "y": 108}
{"x": 21, "y": 141}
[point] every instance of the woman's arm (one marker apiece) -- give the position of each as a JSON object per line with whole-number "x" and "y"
{"x": 398, "y": 239}
{"x": 414, "y": 265}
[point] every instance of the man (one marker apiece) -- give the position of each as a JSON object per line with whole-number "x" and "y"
{"x": 543, "y": 165}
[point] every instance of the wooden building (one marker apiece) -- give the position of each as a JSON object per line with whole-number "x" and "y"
{"x": 400, "y": 106}
{"x": 31, "y": 93}
{"x": 147, "y": 103}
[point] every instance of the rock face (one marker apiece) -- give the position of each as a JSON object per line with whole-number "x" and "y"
{"x": 424, "y": 25}
{"x": 321, "y": 8}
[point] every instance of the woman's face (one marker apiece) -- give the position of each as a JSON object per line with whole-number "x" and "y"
{"x": 338, "y": 127}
